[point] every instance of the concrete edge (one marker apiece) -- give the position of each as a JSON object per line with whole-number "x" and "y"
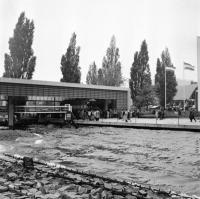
{"x": 193, "y": 128}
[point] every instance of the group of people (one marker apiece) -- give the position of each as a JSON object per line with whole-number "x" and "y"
{"x": 89, "y": 114}
{"x": 127, "y": 115}
{"x": 94, "y": 115}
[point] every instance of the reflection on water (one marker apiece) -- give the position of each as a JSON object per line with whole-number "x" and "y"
{"x": 2, "y": 148}
{"x": 166, "y": 158}
{"x": 197, "y": 146}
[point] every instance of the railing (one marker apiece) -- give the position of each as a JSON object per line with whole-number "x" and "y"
{"x": 3, "y": 109}
{"x": 43, "y": 109}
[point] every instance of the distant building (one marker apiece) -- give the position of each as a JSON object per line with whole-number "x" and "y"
{"x": 186, "y": 92}
{"x": 182, "y": 82}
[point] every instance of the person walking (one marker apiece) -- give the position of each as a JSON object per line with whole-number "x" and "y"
{"x": 126, "y": 116}
{"x": 97, "y": 115}
{"x": 192, "y": 115}
{"x": 156, "y": 113}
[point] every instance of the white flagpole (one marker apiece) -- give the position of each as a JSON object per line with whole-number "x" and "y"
{"x": 198, "y": 71}
{"x": 183, "y": 87}
{"x": 165, "y": 89}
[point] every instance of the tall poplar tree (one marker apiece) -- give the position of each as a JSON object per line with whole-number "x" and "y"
{"x": 20, "y": 63}
{"x": 111, "y": 66}
{"x": 140, "y": 81}
{"x": 134, "y": 82}
{"x": 165, "y": 64}
{"x": 160, "y": 82}
{"x": 100, "y": 77}
{"x": 92, "y": 75}
{"x": 70, "y": 63}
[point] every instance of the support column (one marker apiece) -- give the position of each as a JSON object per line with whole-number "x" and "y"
{"x": 198, "y": 71}
{"x": 129, "y": 100}
{"x": 196, "y": 99}
{"x": 106, "y": 105}
{"x": 10, "y": 112}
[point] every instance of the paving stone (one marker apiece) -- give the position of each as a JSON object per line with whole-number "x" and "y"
{"x": 45, "y": 181}
{"x": 130, "y": 197}
{"x": 33, "y": 190}
{"x": 24, "y": 192}
{"x": 17, "y": 185}
{"x": 5, "y": 197}
{"x": 22, "y": 197}
{"x": 65, "y": 196}
{"x": 104, "y": 194}
{"x": 118, "y": 197}
{"x": 81, "y": 190}
{"x": 29, "y": 183}
{"x": 3, "y": 189}
{"x": 38, "y": 193}
{"x": 50, "y": 196}
{"x": 63, "y": 188}
{"x": 142, "y": 192}
{"x": 12, "y": 176}
{"x": 43, "y": 190}
{"x": 71, "y": 187}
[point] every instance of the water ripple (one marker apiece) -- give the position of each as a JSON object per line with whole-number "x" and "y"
{"x": 164, "y": 158}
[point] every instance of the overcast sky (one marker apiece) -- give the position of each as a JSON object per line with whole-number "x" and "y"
{"x": 163, "y": 23}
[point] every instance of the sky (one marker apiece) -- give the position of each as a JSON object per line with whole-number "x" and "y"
{"x": 174, "y": 24}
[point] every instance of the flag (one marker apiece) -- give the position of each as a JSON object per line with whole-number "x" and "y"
{"x": 188, "y": 66}
{"x": 170, "y": 68}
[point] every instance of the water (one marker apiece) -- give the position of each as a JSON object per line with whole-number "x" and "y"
{"x": 2, "y": 148}
{"x": 169, "y": 159}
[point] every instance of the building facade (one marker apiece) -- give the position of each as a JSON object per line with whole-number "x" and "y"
{"x": 78, "y": 95}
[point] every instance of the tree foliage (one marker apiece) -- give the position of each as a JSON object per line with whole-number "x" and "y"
{"x": 92, "y": 75}
{"x": 20, "y": 63}
{"x": 171, "y": 83}
{"x": 140, "y": 81}
{"x": 110, "y": 73}
{"x": 100, "y": 77}
{"x": 134, "y": 82}
{"x": 70, "y": 63}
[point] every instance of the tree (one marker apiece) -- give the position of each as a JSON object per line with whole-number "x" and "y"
{"x": 100, "y": 77}
{"x": 20, "y": 63}
{"x": 134, "y": 81}
{"x": 165, "y": 64}
{"x": 92, "y": 75}
{"x": 160, "y": 82}
{"x": 70, "y": 63}
{"x": 111, "y": 66}
{"x": 140, "y": 81}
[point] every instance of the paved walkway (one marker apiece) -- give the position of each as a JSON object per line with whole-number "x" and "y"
{"x": 170, "y": 121}
{"x": 182, "y": 124}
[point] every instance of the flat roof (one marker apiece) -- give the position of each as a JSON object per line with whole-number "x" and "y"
{"x": 59, "y": 84}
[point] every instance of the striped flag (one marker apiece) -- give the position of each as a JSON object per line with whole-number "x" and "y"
{"x": 188, "y": 66}
{"x": 170, "y": 68}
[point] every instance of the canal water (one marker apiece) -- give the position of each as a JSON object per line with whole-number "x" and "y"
{"x": 168, "y": 159}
